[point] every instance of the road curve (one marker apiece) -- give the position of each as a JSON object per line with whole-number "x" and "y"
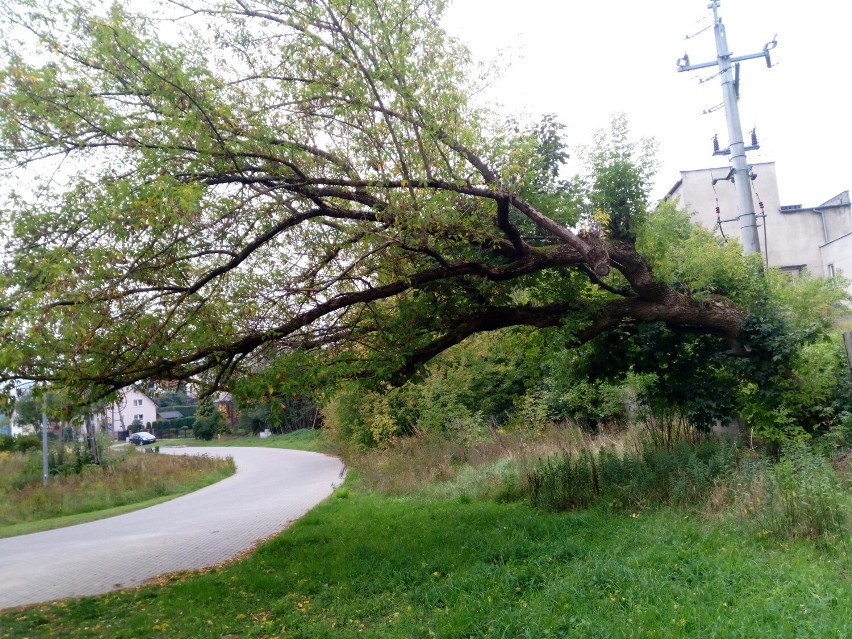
{"x": 271, "y": 488}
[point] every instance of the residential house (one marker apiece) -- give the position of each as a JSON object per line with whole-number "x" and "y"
{"x": 132, "y": 405}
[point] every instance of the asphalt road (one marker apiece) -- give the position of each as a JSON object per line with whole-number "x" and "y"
{"x": 271, "y": 488}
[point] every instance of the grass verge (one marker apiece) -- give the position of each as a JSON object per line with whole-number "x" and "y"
{"x": 126, "y": 481}
{"x": 364, "y": 565}
{"x": 27, "y": 527}
{"x": 312, "y": 440}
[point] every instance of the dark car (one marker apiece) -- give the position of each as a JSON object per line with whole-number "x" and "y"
{"x": 142, "y": 438}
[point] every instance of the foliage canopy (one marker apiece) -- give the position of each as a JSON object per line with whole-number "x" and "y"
{"x": 208, "y": 187}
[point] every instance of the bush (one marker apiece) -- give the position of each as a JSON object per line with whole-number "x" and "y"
{"x": 29, "y": 473}
{"x": 162, "y": 426}
{"x": 343, "y": 415}
{"x": 68, "y": 460}
{"x": 23, "y": 443}
{"x": 799, "y": 496}
{"x": 806, "y": 396}
{"x": 589, "y": 404}
{"x": 205, "y": 427}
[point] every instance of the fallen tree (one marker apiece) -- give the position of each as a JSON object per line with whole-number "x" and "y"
{"x": 208, "y": 188}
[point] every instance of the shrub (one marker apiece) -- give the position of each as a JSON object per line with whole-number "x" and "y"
{"x": 162, "y": 426}
{"x": 344, "y": 416}
{"x": 23, "y": 443}
{"x": 206, "y": 426}
{"x": 588, "y": 403}
{"x": 802, "y": 496}
{"x": 29, "y": 472}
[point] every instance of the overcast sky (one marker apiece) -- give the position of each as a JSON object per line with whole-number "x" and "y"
{"x": 586, "y": 61}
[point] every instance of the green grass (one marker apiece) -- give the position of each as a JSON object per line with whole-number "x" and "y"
{"x": 363, "y": 565}
{"x": 313, "y": 440}
{"x": 448, "y": 563}
{"x": 27, "y": 527}
{"x": 126, "y": 481}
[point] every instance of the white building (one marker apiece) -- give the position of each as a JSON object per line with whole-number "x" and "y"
{"x": 19, "y": 429}
{"x": 792, "y": 237}
{"x": 132, "y": 405}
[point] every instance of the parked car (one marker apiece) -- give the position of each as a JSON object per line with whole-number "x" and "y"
{"x": 142, "y": 438}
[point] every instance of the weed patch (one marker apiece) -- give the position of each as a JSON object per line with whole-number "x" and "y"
{"x": 800, "y": 495}
{"x": 646, "y": 475}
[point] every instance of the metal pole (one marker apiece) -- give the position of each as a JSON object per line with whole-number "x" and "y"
{"x": 44, "y": 468}
{"x": 737, "y": 149}
{"x": 742, "y": 183}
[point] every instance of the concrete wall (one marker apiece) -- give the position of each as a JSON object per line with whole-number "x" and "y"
{"x": 838, "y": 219}
{"x": 697, "y": 193}
{"x": 790, "y": 236}
{"x": 794, "y": 238}
{"x": 838, "y": 253}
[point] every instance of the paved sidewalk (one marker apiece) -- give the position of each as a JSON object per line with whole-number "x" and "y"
{"x": 271, "y": 488}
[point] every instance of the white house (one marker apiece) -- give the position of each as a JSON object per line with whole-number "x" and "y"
{"x": 132, "y": 405}
{"x": 16, "y": 429}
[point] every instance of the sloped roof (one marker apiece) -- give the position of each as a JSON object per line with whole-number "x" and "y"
{"x": 170, "y": 414}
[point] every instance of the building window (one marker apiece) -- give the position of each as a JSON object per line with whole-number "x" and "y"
{"x": 793, "y": 270}
{"x": 831, "y": 271}
{"x": 138, "y": 418}
{"x": 137, "y": 402}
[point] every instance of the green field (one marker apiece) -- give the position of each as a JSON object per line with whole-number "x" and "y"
{"x": 367, "y": 565}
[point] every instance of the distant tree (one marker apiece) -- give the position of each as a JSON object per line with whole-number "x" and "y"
{"x": 209, "y": 422}
{"x": 618, "y": 180}
{"x": 177, "y": 400}
{"x": 255, "y": 418}
{"x": 27, "y": 410}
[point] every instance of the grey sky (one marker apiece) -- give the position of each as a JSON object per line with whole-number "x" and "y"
{"x": 588, "y": 60}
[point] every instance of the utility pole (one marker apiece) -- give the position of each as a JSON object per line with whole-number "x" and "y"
{"x": 737, "y": 149}
{"x": 44, "y": 467}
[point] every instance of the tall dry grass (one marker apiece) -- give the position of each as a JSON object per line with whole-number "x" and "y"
{"x": 124, "y": 478}
{"x": 488, "y": 466}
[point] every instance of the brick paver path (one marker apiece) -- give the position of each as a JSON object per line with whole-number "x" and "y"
{"x": 270, "y": 489}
